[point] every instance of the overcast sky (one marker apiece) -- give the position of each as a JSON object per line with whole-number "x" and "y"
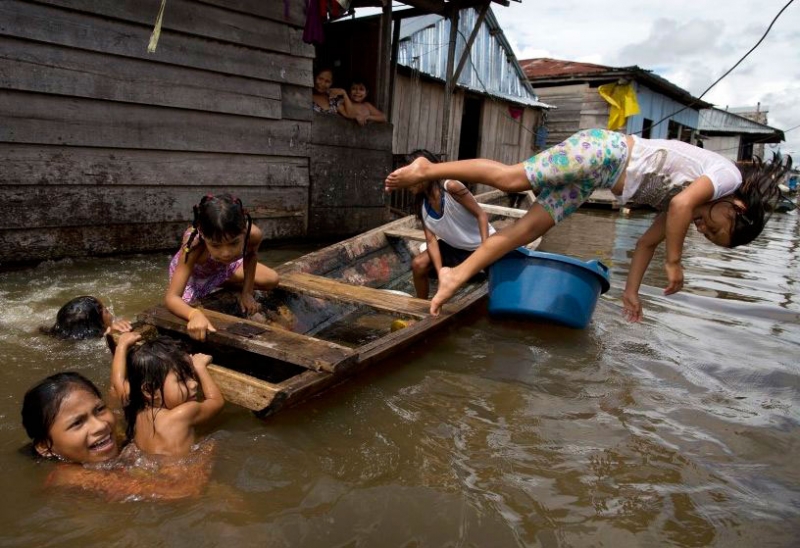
{"x": 690, "y": 43}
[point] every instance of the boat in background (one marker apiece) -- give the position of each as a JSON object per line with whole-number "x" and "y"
{"x": 335, "y": 312}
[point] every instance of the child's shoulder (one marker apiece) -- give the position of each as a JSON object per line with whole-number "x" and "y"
{"x": 453, "y": 185}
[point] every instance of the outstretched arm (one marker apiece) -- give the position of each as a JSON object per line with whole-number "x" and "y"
{"x": 197, "y": 323}
{"x": 249, "y": 264}
{"x": 375, "y": 115}
{"x": 679, "y": 217}
{"x": 642, "y": 255}
{"x": 120, "y": 389}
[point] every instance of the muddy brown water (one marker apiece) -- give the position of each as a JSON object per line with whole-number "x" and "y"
{"x": 683, "y": 430}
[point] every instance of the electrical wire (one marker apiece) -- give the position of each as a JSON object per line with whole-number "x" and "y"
{"x": 718, "y": 80}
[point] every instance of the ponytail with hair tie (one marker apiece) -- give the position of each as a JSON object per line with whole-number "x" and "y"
{"x": 188, "y": 247}
{"x": 249, "y": 223}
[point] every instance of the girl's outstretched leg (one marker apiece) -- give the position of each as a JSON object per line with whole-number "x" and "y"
{"x": 410, "y": 175}
{"x": 533, "y": 225}
{"x": 487, "y": 172}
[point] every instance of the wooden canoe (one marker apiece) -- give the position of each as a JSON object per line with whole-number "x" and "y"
{"x": 331, "y": 316}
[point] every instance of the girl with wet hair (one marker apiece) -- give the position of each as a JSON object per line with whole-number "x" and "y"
{"x": 84, "y": 318}
{"x": 66, "y": 418}
{"x": 219, "y": 248}
{"x": 157, "y": 382}
{"x": 687, "y": 184}
{"x": 453, "y": 222}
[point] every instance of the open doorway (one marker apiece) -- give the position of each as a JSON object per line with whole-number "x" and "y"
{"x": 469, "y": 140}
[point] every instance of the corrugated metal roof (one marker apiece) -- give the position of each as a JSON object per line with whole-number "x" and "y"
{"x": 542, "y": 67}
{"x": 491, "y": 68}
{"x": 718, "y": 120}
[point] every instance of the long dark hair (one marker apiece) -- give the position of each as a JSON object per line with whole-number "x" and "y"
{"x": 759, "y": 193}
{"x": 219, "y": 217}
{"x": 80, "y": 318}
{"x": 42, "y": 402}
{"x": 148, "y": 365}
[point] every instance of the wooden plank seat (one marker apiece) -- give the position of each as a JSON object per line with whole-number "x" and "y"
{"x": 326, "y": 288}
{"x": 406, "y": 233}
{"x": 261, "y": 339}
{"x": 504, "y": 211}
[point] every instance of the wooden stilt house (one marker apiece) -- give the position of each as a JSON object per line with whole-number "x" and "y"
{"x": 106, "y": 147}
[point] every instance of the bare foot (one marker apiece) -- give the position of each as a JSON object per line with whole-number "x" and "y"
{"x": 410, "y": 175}
{"x": 448, "y": 285}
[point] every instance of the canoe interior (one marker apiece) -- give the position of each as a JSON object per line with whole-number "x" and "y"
{"x": 332, "y": 314}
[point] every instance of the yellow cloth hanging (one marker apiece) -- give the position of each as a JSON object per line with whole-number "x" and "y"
{"x": 622, "y": 98}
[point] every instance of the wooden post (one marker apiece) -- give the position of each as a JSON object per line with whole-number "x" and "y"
{"x": 449, "y": 83}
{"x": 384, "y": 53}
{"x": 472, "y": 36}
{"x": 393, "y": 66}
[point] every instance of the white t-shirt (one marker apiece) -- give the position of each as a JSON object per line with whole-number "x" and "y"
{"x": 457, "y": 226}
{"x": 658, "y": 169}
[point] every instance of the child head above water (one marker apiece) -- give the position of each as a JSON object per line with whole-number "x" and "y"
{"x": 160, "y": 375}
{"x": 224, "y": 226}
{"x": 81, "y": 318}
{"x": 66, "y": 418}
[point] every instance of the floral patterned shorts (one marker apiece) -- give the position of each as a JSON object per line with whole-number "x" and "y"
{"x": 563, "y": 176}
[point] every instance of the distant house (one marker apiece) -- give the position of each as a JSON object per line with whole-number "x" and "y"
{"x": 738, "y": 134}
{"x": 666, "y": 110}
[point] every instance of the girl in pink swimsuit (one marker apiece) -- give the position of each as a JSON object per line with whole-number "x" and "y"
{"x": 220, "y": 247}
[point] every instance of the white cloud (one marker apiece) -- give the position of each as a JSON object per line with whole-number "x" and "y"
{"x": 689, "y": 42}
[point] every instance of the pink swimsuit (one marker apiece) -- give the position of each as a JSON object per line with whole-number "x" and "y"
{"x": 205, "y": 277}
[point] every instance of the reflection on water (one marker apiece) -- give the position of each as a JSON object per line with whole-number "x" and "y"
{"x": 680, "y": 430}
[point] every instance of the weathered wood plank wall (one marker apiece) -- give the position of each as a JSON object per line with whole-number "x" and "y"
{"x": 726, "y": 145}
{"x": 504, "y": 138}
{"x": 105, "y": 147}
{"x": 417, "y": 117}
{"x": 418, "y": 113}
{"x": 348, "y": 166}
{"x": 595, "y": 110}
{"x": 565, "y": 119}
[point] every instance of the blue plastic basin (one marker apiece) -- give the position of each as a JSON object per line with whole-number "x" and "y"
{"x": 546, "y": 286}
